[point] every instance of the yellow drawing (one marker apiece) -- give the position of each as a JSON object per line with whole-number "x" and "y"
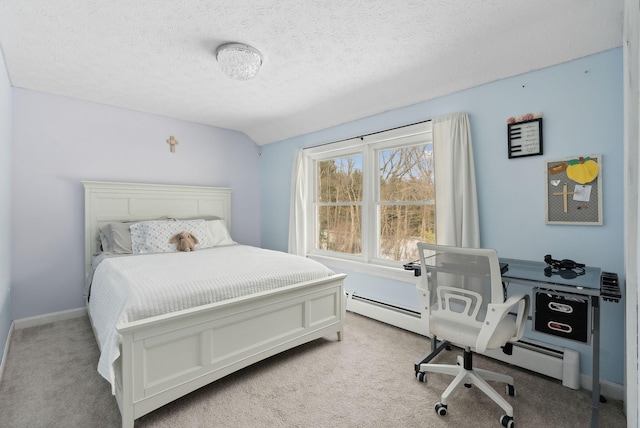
{"x": 582, "y": 170}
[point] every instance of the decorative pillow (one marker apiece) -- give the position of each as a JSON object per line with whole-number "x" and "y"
{"x": 154, "y": 236}
{"x": 219, "y": 233}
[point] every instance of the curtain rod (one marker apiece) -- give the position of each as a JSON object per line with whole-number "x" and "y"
{"x": 366, "y": 135}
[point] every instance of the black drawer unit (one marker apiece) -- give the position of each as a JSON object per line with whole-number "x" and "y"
{"x": 562, "y": 314}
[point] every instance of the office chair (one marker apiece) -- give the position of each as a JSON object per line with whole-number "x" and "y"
{"x": 463, "y": 304}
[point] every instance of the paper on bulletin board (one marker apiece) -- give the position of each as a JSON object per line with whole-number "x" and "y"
{"x": 582, "y": 193}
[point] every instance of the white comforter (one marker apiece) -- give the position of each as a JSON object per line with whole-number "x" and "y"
{"x": 140, "y": 286}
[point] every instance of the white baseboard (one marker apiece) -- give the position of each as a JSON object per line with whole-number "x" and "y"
{"x": 609, "y": 389}
{"x": 48, "y": 318}
{"x": 6, "y": 350}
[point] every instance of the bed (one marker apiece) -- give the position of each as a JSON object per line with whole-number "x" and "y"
{"x": 164, "y": 356}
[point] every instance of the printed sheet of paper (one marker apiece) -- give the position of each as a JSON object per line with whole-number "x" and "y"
{"x": 583, "y": 193}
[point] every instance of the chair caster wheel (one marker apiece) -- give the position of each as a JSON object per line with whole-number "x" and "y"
{"x": 511, "y": 390}
{"x": 507, "y": 421}
{"x": 421, "y": 376}
{"x": 441, "y": 409}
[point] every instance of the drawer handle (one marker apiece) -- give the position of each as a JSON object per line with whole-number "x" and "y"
{"x": 558, "y": 326}
{"x": 560, "y": 307}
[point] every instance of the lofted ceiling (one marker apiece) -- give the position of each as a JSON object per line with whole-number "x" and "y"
{"x": 324, "y": 62}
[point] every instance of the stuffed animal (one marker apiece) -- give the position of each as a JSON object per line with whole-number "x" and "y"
{"x": 185, "y": 241}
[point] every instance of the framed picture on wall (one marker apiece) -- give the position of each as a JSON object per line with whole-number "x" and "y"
{"x": 524, "y": 138}
{"x": 573, "y": 188}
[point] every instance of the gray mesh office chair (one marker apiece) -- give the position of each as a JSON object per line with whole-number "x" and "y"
{"x": 462, "y": 302}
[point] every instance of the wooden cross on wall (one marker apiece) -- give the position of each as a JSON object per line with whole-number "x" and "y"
{"x": 564, "y": 194}
{"x": 172, "y": 141}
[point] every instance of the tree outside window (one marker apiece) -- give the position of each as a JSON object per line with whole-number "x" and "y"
{"x": 385, "y": 219}
{"x": 406, "y": 204}
{"x": 339, "y": 205}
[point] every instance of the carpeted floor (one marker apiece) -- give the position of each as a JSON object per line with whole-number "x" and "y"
{"x": 367, "y": 380}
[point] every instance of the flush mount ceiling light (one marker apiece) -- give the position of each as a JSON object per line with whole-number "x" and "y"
{"x": 239, "y": 61}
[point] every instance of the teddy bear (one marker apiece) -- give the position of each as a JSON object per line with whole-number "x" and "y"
{"x": 185, "y": 241}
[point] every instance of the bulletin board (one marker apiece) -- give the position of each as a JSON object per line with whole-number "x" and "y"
{"x": 573, "y": 188}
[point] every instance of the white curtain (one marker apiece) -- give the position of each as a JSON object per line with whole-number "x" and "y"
{"x": 456, "y": 199}
{"x": 298, "y": 208}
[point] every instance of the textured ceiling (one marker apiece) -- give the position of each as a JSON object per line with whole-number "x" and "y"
{"x": 325, "y": 62}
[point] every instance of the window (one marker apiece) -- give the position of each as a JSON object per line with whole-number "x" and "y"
{"x": 373, "y": 198}
{"x": 406, "y": 200}
{"x": 339, "y": 202}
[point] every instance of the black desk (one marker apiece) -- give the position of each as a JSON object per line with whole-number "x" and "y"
{"x": 594, "y": 284}
{"x": 533, "y": 274}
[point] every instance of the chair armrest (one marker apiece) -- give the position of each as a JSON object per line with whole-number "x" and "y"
{"x": 496, "y": 313}
{"x": 523, "y": 301}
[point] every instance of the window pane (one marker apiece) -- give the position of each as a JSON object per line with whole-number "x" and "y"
{"x": 402, "y": 227}
{"x": 339, "y": 229}
{"x": 340, "y": 180}
{"x": 406, "y": 173}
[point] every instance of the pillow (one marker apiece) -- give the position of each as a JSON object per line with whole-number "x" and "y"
{"x": 116, "y": 238}
{"x": 219, "y": 233}
{"x": 153, "y": 236}
{"x": 104, "y": 241}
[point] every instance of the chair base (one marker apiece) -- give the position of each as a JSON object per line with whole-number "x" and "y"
{"x": 465, "y": 374}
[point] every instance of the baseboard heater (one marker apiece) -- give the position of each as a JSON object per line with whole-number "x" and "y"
{"x": 386, "y": 313}
{"x": 556, "y": 362}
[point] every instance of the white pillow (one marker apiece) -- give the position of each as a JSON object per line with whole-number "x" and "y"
{"x": 154, "y": 236}
{"x": 219, "y": 233}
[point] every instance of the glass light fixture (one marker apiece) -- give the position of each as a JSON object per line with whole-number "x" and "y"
{"x": 239, "y": 61}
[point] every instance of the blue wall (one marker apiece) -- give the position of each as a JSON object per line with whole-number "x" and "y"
{"x": 582, "y": 106}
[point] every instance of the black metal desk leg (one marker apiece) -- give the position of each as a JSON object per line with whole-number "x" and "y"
{"x": 595, "y": 354}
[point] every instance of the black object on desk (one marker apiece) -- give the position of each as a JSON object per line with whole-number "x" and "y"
{"x": 414, "y": 266}
{"x": 417, "y": 271}
{"x": 609, "y": 287}
{"x": 562, "y": 314}
{"x": 566, "y": 268}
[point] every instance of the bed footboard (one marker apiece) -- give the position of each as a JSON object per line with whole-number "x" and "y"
{"x": 166, "y": 357}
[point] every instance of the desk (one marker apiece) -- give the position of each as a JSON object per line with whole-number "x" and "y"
{"x": 533, "y": 273}
{"x": 593, "y": 283}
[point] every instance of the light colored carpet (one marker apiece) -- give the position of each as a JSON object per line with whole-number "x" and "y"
{"x": 367, "y": 380}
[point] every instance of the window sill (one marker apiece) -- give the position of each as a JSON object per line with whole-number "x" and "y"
{"x": 388, "y": 272}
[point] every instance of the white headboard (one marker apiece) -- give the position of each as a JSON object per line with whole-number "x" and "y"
{"x": 105, "y": 202}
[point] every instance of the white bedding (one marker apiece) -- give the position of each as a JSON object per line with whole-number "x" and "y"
{"x": 134, "y": 287}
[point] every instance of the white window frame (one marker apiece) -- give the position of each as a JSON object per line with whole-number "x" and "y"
{"x": 366, "y": 146}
